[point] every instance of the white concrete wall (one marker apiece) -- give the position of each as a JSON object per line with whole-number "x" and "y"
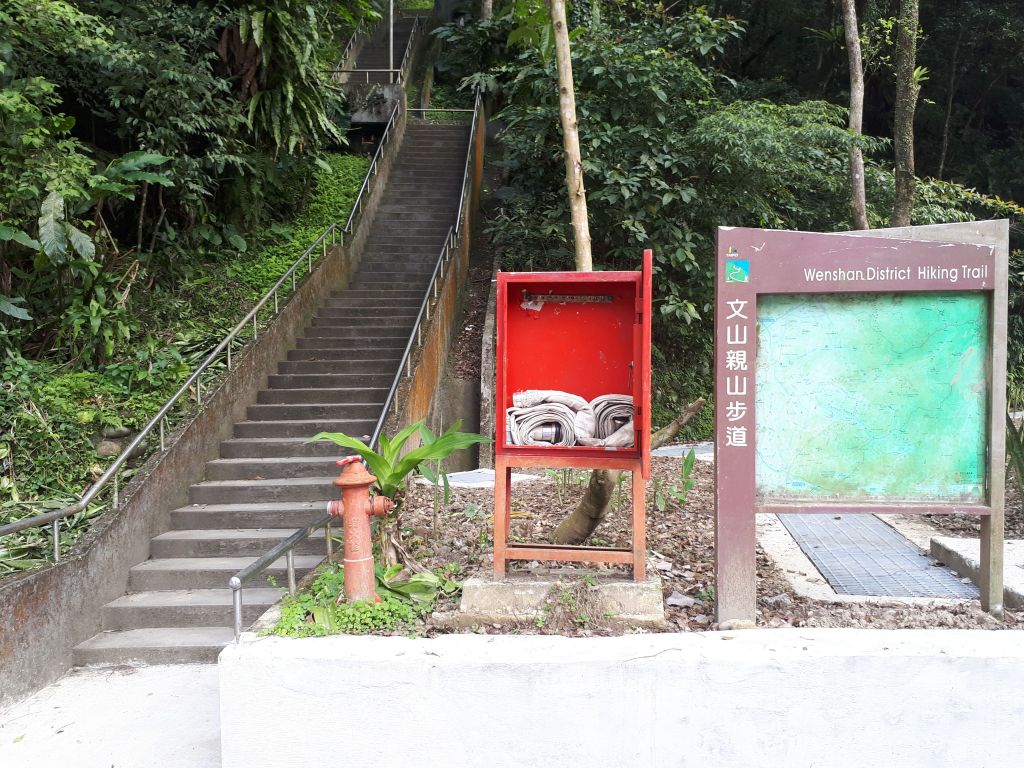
{"x": 863, "y": 698}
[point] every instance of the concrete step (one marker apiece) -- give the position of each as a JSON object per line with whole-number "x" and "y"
{"x": 327, "y": 353}
{"x": 399, "y": 252}
{"x": 275, "y": 447}
{"x": 313, "y": 411}
{"x": 376, "y": 295}
{"x": 185, "y": 608}
{"x": 229, "y": 542}
{"x": 339, "y": 366}
{"x": 353, "y": 319}
{"x": 409, "y": 309}
{"x": 416, "y": 209}
{"x": 420, "y": 286}
{"x": 274, "y": 467}
{"x": 285, "y": 515}
{"x": 422, "y": 265}
{"x": 259, "y": 491}
{"x": 327, "y": 380}
{"x": 349, "y": 332}
{"x": 414, "y": 189}
{"x": 309, "y": 396}
{"x": 410, "y": 235}
{"x": 209, "y": 572}
{"x": 386, "y": 303}
{"x": 304, "y": 428}
{"x": 163, "y": 645}
{"x": 353, "y": 343}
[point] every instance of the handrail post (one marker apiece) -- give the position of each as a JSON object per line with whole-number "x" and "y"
{"x": 289, "y": 559}
{"x": 236, "y": 604}
{"x": 56, "y": 541}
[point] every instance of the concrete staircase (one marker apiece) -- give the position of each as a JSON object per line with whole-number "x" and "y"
{"x": 375, "y": 53}
{"x": 268, "y": 481}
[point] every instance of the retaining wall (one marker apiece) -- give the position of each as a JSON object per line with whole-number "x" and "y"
{"x": 788, "y": 698}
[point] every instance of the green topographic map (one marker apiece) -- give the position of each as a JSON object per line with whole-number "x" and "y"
{"x": 872, "y": 397}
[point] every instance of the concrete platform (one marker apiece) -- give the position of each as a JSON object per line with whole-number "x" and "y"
{"x": 842, "y": 698}
{"x": 963, "y": 556}
{"x": 128, "y": 717}
{"x": 527, "y": 598}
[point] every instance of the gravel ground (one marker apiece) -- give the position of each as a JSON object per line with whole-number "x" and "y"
{"x": 681, "y": 545}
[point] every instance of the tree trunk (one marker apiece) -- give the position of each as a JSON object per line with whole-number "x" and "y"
{"x": 571, "y": 139}
{"x": 906, "y": 103}
{"x": 597, "y": 499}
{"x": 949, "y": 104}
{"x": 486, "y": 9}
{"x": 858, "y": 197}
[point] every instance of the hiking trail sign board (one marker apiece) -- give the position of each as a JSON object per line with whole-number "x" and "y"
{"x": 858, "y": 373}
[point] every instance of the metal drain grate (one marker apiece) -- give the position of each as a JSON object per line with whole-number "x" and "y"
{"x": 861, "y": 555}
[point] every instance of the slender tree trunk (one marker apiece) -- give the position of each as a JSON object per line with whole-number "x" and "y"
{"x": 949, "y": 104}
{"x": 486, "y": 9}
{"x": 906, "y": 103}
{"x": 571, "y": 139}
{"x": 596, "y": 503}
{"x": 858, "y": 197}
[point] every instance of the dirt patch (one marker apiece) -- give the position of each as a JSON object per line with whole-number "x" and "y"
{"x": 681, "y": 545}
{"x": 468, "y": 344}
{"x": 969, "y": 526}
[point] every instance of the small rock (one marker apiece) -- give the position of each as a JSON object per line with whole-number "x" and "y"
{"x": 680, "y": 600}
{"x": 700, "y": 618}
{"x": 115, "y": 432}
{"x": 533, "y": 565}
{"x": 780, "y": 599}
{"x": 686, "y": 575}
{"x": 663, "y": 566}
{"x": 138, "y": 451}
{"x": 108, "y": 448}
{"x": 727, "y": 626}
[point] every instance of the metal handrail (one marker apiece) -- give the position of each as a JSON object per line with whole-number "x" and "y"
{"x": 159, "y": 421}
{"x": 451, "y": 241}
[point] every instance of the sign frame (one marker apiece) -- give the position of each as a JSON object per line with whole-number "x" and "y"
{"x": 755, "y": 262}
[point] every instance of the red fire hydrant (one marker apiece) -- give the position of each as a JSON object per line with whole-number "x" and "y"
{"x": 355, "y": 508}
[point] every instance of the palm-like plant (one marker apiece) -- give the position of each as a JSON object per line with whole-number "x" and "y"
{"x": 392, "y": 469}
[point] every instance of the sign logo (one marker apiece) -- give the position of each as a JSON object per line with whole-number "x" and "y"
{"x": 737, "y": 271}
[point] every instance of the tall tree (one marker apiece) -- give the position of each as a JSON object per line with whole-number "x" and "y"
{"x": 858, "y": 198}
{"x": 571, "y": 139}
{"x": 907, "y": 89}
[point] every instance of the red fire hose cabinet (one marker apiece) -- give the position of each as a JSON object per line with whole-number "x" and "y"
{"x": 581, "y": 338}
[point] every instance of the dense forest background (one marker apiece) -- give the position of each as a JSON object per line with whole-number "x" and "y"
{"x": 696, "y": 115}
{"x": 162, "y": 163}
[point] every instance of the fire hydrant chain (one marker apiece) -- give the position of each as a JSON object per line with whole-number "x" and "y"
{"x": 355, "y": 508}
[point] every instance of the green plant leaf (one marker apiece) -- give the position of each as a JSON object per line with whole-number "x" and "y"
{"x": 7, "y": 307}
{"x": 52, "y": 235}
{"x": 18, "y": 236}
{"x": 80, "y": 241}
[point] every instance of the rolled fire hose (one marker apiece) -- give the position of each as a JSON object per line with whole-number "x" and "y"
{"x": 551, "y": 417}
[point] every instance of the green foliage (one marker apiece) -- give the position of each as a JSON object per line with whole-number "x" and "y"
{"x": 318, "y": 612}
{"x": 417, "y": 589}
{"x": 390, "y": 466}
{"x": 677, "y": 490}
{"x": 51, "y": 417}
{"x": 1015, "y": 450}
{"x": 674, "y": 144}
{"x": 289, "y": 106}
